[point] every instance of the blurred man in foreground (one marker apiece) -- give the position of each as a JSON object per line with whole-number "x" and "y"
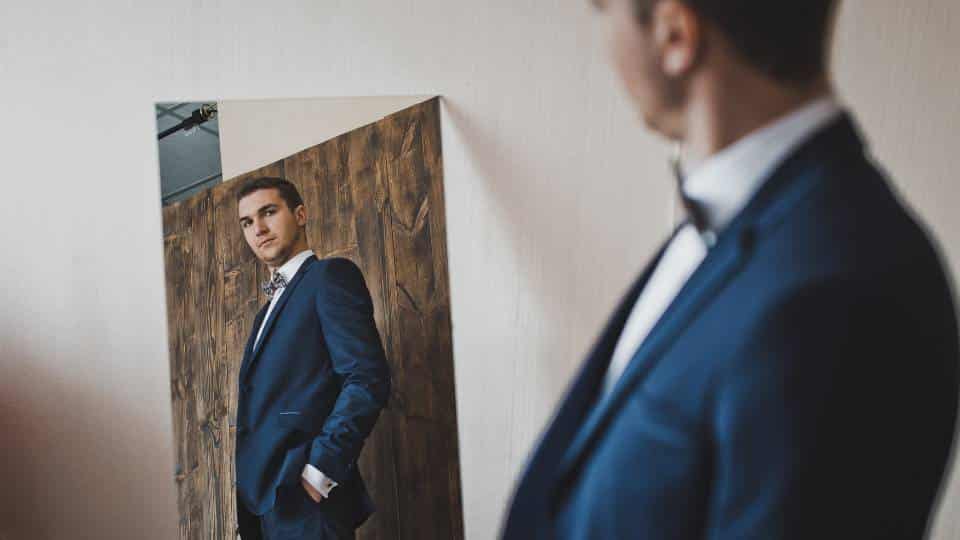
{"x": 787, "y": 365}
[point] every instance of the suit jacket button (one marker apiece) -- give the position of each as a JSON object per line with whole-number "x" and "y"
{"x": 241, "y": 430}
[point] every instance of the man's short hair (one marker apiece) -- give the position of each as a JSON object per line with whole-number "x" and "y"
{"x": 288, "y": 191}
{"x": 785, "y": 39}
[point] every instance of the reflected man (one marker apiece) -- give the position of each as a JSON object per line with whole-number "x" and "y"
{"x": 312, "y": 383}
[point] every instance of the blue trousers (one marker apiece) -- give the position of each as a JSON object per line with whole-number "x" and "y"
{"x": 295, "y": 516}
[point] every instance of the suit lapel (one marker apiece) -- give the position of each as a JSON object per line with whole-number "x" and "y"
{"x": 792, "y": 180}
{"x": 271, "y": 320}
{"x": 588, "y": 380}
{"x": 720, "y": 264}
{"x": 575, "y": 405}
{"x": 253, "y": 334}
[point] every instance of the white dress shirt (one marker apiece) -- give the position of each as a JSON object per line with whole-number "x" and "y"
{"x": 722, "y": 185}
{"x": 287, "y": 270}
{"x": 311, "y": 474}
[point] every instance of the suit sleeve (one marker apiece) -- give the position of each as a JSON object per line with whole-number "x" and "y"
{"x": 831, "y": 421}
{"x": 345, "y": 310}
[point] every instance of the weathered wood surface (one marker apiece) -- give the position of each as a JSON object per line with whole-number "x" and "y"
{"x": 374, "y": 195}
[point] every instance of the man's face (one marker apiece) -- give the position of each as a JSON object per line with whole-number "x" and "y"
{"x": 268, "y": 225}
{"x": 643, "y": 53}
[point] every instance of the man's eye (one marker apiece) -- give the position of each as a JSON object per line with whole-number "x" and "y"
{"x": 270, "y": 212}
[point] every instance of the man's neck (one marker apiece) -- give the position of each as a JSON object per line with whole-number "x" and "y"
{"x": 724, "y": 112}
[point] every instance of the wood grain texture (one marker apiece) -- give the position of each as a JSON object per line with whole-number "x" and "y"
{"x": 375, "y": 196}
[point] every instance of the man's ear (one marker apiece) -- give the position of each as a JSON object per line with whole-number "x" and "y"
{"x": 677, "y": 36}
{"x": 301, "y": 214}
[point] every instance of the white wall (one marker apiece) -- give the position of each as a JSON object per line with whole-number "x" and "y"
{"x": 257, "y": 132}
{"x": 555, "y": 197}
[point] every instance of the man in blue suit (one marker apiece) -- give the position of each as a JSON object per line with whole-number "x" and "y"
{"x": 787, "y": 365}
{"x": 312, "y": 383}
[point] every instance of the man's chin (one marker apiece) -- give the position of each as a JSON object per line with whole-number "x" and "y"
{"x": 274, "y": 256}
{"x": 268, "y": 257}
{"x": 659, "y": 127}
{"x": 651, "y": 123}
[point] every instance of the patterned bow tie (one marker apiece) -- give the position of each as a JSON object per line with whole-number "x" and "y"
{"x": 274, "y": 284}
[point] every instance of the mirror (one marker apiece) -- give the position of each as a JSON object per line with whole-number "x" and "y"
{"x": 341, "y": 373}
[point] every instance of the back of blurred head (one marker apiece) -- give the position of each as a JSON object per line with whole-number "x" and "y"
{"x": 703, "y": 71}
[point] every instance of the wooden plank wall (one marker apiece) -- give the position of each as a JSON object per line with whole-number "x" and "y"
{"x": 374, "y": 195}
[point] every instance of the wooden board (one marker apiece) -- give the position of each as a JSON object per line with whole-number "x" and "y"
{"x": 375, "y": 196}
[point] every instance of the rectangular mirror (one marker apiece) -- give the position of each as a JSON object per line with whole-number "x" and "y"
{"x": 348, "y": 366}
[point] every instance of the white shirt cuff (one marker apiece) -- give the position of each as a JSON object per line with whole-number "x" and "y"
{"x": 318, "y": 480}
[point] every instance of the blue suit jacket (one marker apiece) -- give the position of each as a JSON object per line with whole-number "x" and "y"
{"x": 803, "y": 384}
{"x": 311, "y": 390}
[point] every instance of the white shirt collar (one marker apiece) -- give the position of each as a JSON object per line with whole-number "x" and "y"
{"x": 289, "y": 268}
{"x": 725, "y": 181}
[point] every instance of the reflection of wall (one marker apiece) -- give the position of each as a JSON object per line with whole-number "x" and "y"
{"x": 554, "y": 197}
{"x": 259, "y": 131}
{"x": 375, "y": 196}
